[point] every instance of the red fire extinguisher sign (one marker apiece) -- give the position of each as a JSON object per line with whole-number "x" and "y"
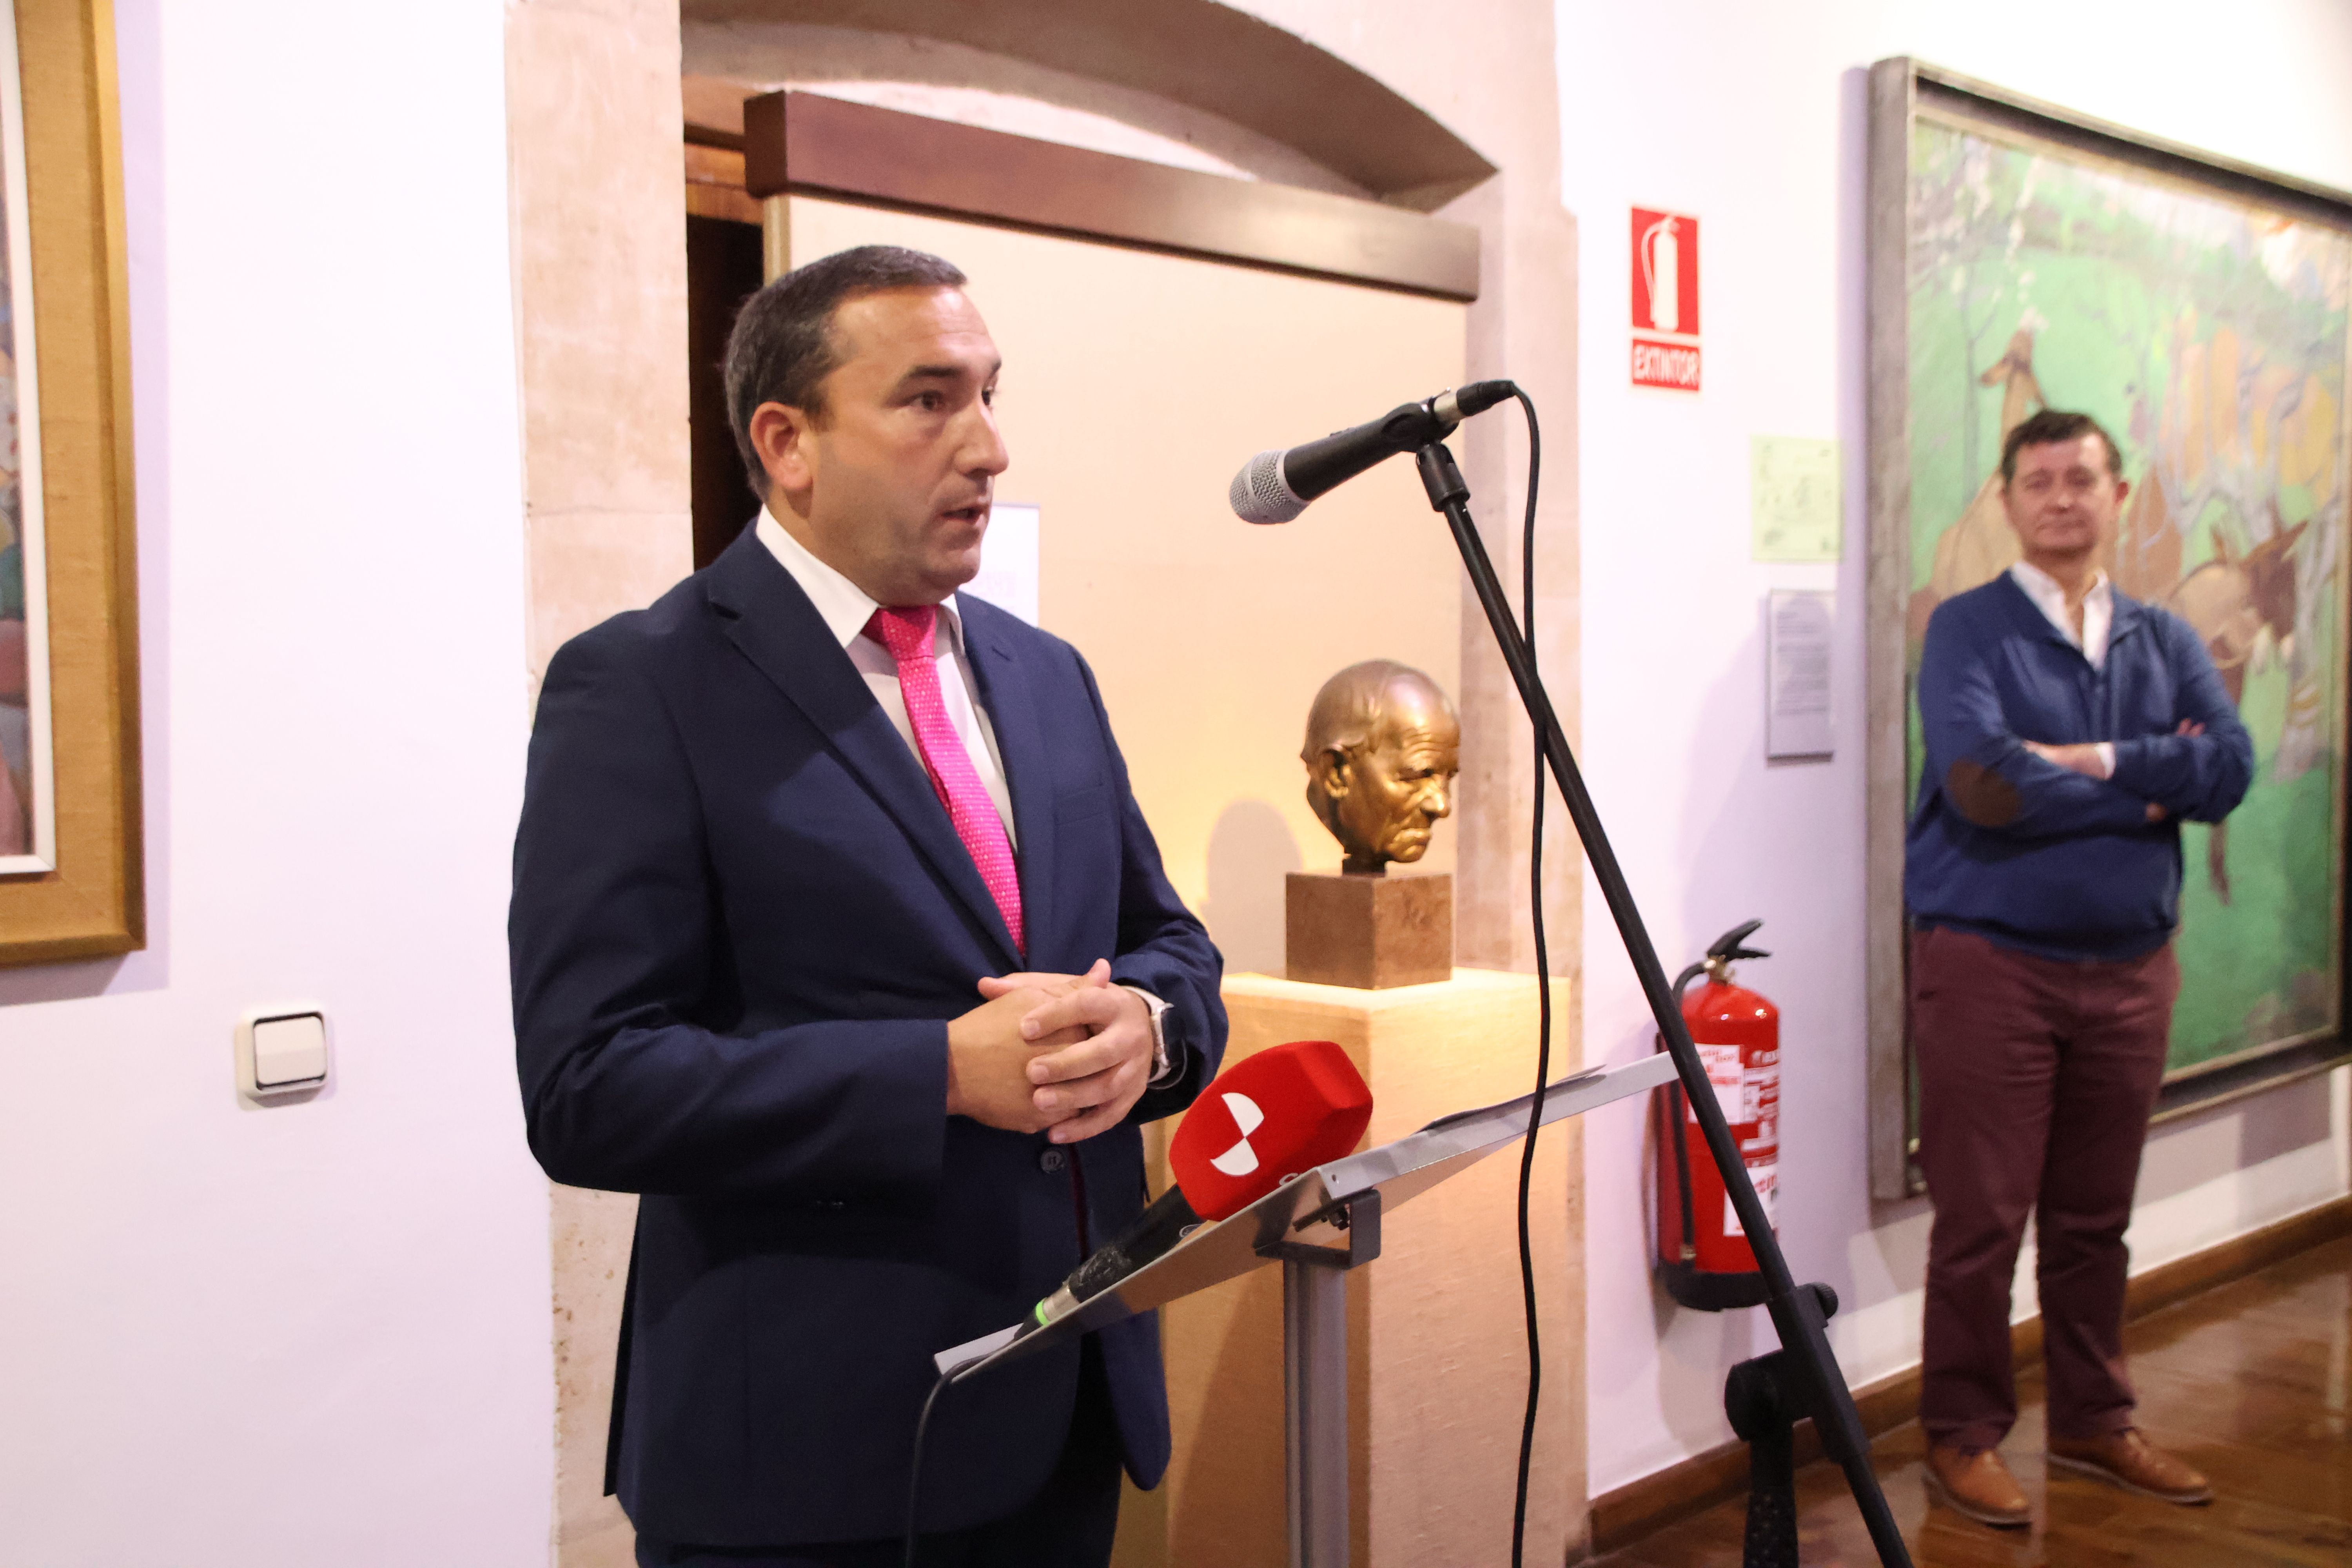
{"x": 1666, "y": 350}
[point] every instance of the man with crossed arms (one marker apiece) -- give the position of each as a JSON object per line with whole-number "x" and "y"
{"x": 2069, "y": 732}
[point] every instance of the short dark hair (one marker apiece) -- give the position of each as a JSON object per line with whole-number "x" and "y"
{"x": 2050, "y": 427}
{"x": 783, "y": 345}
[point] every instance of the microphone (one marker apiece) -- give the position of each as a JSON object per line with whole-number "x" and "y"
{"x": 1284, "y": 1111}
{"x": 1274, "y": 487}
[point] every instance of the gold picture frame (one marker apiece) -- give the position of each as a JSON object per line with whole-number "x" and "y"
{"x": 78, "y": 892}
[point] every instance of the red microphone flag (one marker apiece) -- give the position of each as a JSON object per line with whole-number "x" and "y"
{"x": 1284, "y": 1111}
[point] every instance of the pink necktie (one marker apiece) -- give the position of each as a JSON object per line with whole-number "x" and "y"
{"x": 908, "y": 633}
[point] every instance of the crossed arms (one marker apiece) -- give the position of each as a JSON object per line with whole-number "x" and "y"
{"x": 2004, "y": 783}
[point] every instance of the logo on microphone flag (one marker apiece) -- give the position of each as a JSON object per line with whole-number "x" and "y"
{"x": 1241, "y": 1159}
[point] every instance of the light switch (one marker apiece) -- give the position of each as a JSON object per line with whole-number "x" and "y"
{"x": 281, "y": 1052}
{"x": 289, "y": 1051}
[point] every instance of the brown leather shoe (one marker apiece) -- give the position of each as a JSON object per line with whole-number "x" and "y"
{"x": 2132, "y": 1462}
{"x": 1978, "y": 1484}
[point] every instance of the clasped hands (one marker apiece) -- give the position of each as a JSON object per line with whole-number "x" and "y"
{"x": 1067, "y": 1054}
{"x": 2082, "y": 757}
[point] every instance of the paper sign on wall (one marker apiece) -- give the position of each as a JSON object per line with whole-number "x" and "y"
{"x": 1797, "y": 627}
{"x": 1666, "y": 350}
{"x": 1792, "y": 498}
{"x": 1008, "y": 561}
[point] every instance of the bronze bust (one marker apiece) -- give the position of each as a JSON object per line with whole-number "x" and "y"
{"x": 1383, "y": 747}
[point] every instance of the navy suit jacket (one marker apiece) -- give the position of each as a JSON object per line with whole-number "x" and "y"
{"x": 741, "y": 919}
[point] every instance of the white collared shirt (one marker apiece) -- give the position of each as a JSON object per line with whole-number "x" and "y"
{"x": 2049, "y": 596}
{"x": 845, "y": 608}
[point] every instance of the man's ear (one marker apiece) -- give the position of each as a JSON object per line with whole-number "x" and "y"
{"x": 780, "y": 435}
{"x": 1331, "y": 773}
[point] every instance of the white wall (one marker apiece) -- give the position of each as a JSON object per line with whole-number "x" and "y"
{"x": 315, "y": 1333}
{"x": 1752, "y": 117}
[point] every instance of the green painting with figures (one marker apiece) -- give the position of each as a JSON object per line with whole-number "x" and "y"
{"x": 2209, "y": 334}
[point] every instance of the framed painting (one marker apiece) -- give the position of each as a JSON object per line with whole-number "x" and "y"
{"x": 70, "y": 884}
{"x": 2021, "y": 257}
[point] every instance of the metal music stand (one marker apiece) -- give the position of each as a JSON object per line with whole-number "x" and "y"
{"x": 1319, "y": 1225}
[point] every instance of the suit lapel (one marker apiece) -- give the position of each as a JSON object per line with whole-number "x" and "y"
{"x": 1021, "y": 747}
{"x": 769, "y": 620}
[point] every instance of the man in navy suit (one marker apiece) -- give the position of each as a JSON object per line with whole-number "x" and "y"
{"x": 838, "y": 936}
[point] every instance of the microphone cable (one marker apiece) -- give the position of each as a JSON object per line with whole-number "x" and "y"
{"x": 1543, "y": 997}
{"x": 914, "y": 1470}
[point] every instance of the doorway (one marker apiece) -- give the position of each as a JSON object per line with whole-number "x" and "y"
{"x": 722, "y": 271}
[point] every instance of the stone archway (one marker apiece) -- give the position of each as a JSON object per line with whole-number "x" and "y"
{"x": 1220, "y": 60}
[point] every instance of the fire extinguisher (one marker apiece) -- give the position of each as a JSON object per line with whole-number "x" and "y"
{"x": 1704, "y": 1257}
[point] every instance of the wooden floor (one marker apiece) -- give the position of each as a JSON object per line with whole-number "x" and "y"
{"x": 2250, "y": 1383}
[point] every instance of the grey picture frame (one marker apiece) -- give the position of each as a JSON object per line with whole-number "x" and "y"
{"x": 1898, "y": 90}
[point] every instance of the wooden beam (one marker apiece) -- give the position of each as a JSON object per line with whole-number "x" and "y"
{"x": 1206, "y": 54}
{"x": 714, "y": 184}
{"x": 809, "y": 144}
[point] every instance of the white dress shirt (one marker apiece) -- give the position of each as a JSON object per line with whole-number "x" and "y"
{"x": 2049, "y": 596}
{"x": 845, "y": 608}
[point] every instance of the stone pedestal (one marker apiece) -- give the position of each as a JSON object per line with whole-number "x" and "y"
{"x": 1438, "y": 1373}
{"x": 1367, "y": 933}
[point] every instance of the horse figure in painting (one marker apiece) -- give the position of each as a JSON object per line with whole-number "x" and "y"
{"x": 2242, "y": 606}
{"x": 1982, "y": 545}
{"x": 2143, "y": 558}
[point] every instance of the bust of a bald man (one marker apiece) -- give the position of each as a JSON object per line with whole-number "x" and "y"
{"x": 1383, "y": 747}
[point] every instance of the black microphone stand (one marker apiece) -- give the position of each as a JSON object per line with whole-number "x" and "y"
{"x": 1813, "y": 1384}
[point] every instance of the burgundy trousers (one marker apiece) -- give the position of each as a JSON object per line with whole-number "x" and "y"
{"x": 2036, "y": 1081}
